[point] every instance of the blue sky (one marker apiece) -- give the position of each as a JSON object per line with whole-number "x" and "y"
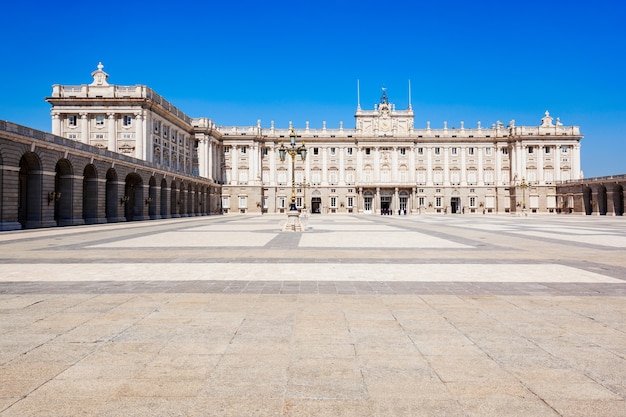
{"x": 237, "y": 62}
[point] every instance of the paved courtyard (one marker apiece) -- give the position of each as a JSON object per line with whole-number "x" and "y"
{"x": 358, "y": 316}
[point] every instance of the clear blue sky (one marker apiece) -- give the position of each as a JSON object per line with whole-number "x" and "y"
{"x": 237, "y": 62}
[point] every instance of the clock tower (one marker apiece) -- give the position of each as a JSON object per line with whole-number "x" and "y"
{"x": 384, "y": 120}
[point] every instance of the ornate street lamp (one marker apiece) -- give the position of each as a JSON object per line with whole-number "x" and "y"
{"x": 524, "y": 185}
{"x": 292, "y": 150}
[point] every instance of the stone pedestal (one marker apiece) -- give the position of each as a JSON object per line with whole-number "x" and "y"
{"x": 293, "y": 223}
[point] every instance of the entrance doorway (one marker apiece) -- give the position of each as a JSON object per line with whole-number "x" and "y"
{"x": 385, "y": 204}
{"x": 316, "y": 205}
{"x": 455, "y": 204}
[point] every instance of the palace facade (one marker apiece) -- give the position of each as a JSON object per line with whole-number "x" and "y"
{"x": 384, "y": 165}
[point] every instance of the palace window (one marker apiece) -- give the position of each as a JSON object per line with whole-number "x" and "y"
{"x": 350, "y": 202}
{"x": 332, "y": 177}
{"x": 471, "y": 177}
{"x": 127, "y": 120}
{"x": 226, "y": 149}
{"x": 505, "y": 151}
{"x": 437, "y": 151}
{"x": 453, "y": 151}
{"x": 437, "y": 201}
{"x": 99, "y": 120}
{"x": 243, "y": 176}
{"x": 299, "y": 202}
{"x": 472, "y": 201}
{"x": 402, "y": 151}
{"x": 564, "y": 149}
{"x": 243, "y": 202}
{"x": 243, "y": 150}
{"x": 350, "y": 177}
{"x": 368, "y": 151}
{"x": 455, "y": 177}
{"x": 349, "y": 150}
{"x": 316, "y": 178}
{"x": 71, "y": 120}
{"x": 421, "y": 177}
{"x": 420, "y": 151}
{"x": 488, "y": 151}
{"x": 333, "y": 151}
{"x": 165, "y": 132}
{"x": 282, "y": 177}
{"x": 421, "y": 201}
{"x": 316, "y": 151}
{"x": 547, "y": 150}
{"x": 264, "y": 151}
{"x": 281, "y": 202}
{"x": 438, "y": 177}
{"x": 470, "y": 151}
{"x": 531, "y": 149}
{"x": 488, "y": 177}
{"x": 333, "y": 202}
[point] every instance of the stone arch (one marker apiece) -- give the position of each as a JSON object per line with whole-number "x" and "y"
{"x": 111, "y": 196}
{"x": 63, "y": 190}
{"x": 587, "y": 200}
{"x": 152, "y": 198}
{"x": 163, "y": 205}
{"x": 602, "y": 200}
{"x": 618, "y": 200}
{"x": 133, "y": 197}
{"x": 29, "y": 206}
{"x": 174, "y": 199}
{"x": 90, "y": 194}
{"x": 189, "y": 200}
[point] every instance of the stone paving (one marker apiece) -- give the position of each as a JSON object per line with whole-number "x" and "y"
{"x": 357, "y": 316}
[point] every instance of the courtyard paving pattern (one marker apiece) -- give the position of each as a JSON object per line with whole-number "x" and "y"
{"x": 360, "y": 315}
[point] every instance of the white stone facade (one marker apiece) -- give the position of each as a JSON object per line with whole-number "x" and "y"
{"x": 384, "y": 165}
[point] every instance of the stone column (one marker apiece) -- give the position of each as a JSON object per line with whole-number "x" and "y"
{"x": 324, "y": 165}
{"x": 376, "y": 165}
{"x": 446, "y": 166}
{"x": 576, "y": 162}
{"x": 342, "y": 177}
{"x": 202, "y": 157}
{"x": 557, "y": 163}
{"x": 84, "y": 128}
{"x": 540, "y": 179}
{"x": 234, "y": 161}
{"x": 56, "y": 124}
{"x": 394, "y": 164}
{"x": 139, "y": 139}
{"x": 111, "y": 132}
{"x": 480, "y": 178}
{"x": 429, "y": 166}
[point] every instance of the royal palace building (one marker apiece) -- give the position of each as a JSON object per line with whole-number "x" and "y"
{"x": 385, "y": 165}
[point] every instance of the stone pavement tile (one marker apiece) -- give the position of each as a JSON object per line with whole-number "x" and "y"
{"x": 404, "y": 383}
{"x": 239, "y": 407}
{"x": 320, "y": 348}
{"x": 325, "y": 378}
{"x": 564, "y": 384}
{"x": 59, "y": 405}
{"x": 247, "y": 376}
{"x": 404, "y": 407}
{"x": 83, "y": 388}
{"x": 463, "y": 369}
{"x": 172, "y": 385}
{"x": 299, "y": 407}
{"x": 586, "y": 408}
{"x": 506, "y": 405}
{"x": 146, "y": 407}
{"x": 179, "y": 365}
